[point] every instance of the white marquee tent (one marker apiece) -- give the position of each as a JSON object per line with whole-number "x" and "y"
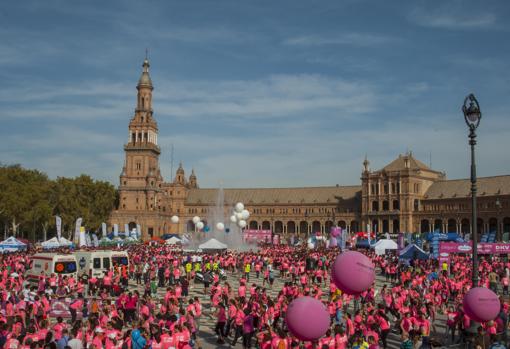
{"x": 11, "y": 244}
{"x": 56, "y": 243}
{"x": 212, "y": 245}
{"x": 173, "y": 241}
{"x": 383, "y": 245}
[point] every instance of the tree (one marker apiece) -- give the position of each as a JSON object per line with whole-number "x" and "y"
{"x": 24, "y": 197}
{"x": 29, "y": 201}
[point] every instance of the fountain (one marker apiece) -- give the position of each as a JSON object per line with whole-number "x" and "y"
{"x": 234, "y": 238}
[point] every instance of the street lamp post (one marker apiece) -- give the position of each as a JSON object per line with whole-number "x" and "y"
{"x": 472, "y": 116}
{"x": 499, "y": 233}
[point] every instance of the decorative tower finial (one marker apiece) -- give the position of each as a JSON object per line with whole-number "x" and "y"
{"x": 366, "y": 164}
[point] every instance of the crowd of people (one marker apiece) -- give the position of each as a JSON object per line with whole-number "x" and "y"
{"x": 150, "y": 304}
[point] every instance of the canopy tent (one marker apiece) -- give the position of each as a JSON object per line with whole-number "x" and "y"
{"x": 212, "y": 245}
{"x": 385, "y": 244}
{"x": 173, "y": 241}
{"x": 54, "y": 242}
{"x": 184, "y": 240}
{"x": 11, "y": 244}
{"x": 413, "y": 252}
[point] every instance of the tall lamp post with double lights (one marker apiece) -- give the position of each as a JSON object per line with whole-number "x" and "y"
{"x": 472, "y": 116}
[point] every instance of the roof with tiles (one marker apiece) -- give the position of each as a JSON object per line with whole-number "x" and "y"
{"x": 310, "y": 195}
{"x": 461, "y": 188}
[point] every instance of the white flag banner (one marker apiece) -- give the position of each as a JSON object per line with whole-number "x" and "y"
{"x": 58, "y": 222}
{"x": 103, "y": 228}
{"x": 83, "y": 238}
{"x": 115, "y": 230}
{"x": 88, "y": 240}
{"x": 77, "y": 230}
{"x": 126, "y": 230}
{"x": 95, "y": 240}
{"x": 138, "y": 231}
{"x": 344, "y": 239}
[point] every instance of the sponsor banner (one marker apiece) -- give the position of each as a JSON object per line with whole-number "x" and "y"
{"x": 254, "y": 236}
{"x": 58, "y": 222}
{"x": 467, "y": 247}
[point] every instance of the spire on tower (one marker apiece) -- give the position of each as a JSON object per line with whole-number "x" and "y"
{"x": 145, "y": 79}
{"x": 366, "y": 164}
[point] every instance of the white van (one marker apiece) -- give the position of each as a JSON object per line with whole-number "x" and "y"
{"x": 50, "y": 263}
{"x": 97, "y": 261}
{"x": 119, "y": 258}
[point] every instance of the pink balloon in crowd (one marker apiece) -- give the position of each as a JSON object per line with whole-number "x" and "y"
{"x": 333, "y": 242}
{"x": 481, "y": 304}
{"x": 336, "y": 232}
{"x": 353, "y": 272}
{"x": 307, "y": 318}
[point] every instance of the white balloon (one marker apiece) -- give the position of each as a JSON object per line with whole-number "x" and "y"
{"x": 174, "y": 219}
{"x": 233, "y": 218}
{"x": 241, "y": 224}
{"x": 239, "y": 207}
{"x": 311, "y": 246}
{"x": 200, "y": 225}
{"x": 246, "y": 214}
{"x": 220, "y": 226}
{"x": 239, "y": 216}
{"x": 196, "y": 219}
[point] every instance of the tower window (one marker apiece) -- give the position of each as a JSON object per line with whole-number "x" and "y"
{"x": 146, "y": 136}
{"x": 142, "y": 118}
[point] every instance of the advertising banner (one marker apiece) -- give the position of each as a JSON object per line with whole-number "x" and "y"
{"x": 467, "y": 247}
{"x": 255, "y": 236}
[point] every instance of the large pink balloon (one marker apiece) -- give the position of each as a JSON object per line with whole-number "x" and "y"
{"x": 307, "y": 318}
{"x": 336, "y": 231}
{"x": 481, "y": 304}
{"x": 353, "y": 272}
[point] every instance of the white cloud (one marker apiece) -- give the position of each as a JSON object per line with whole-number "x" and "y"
{"x": 452, "y": 16}
{"x": 353, "y": 39}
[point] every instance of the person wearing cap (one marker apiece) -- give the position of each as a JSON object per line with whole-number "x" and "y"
{"x": 99, "y": 338}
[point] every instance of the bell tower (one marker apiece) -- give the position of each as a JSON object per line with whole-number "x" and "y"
{"x": 140, "y": 180}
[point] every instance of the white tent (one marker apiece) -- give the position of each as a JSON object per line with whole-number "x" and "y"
{"x": 173, "y": 241}
{"x": 385, "y": 244}
{"x": 212, "y": 244}
{"x": 184, "y": 240}
{"x": 56, "y": 243}
{"x": 11, "y": 244}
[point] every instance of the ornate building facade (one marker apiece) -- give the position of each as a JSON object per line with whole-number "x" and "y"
{"x": 404, "y": 196}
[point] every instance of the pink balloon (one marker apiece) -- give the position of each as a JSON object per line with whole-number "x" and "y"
{"x": 307, "y": 318}
{"x": 333, "y": 242}
{"x": 481, "y": 304}
{"x": 353, "y": 272}
{"x": 336, "y": 231}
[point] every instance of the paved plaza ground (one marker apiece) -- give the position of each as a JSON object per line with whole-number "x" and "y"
{"x": 207, "y": 337}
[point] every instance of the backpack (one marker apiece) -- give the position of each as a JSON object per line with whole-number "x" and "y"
{"x": 3, "y": 338}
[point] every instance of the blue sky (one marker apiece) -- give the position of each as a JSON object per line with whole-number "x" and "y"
{"x": 255, "y": 93}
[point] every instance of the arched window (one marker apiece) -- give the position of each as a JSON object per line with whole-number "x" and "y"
{"x": 375, "y": 206}
{"x": 396, "y": 205}
{"x": 385, "y": 205}
{"x": 416, "y": 204}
